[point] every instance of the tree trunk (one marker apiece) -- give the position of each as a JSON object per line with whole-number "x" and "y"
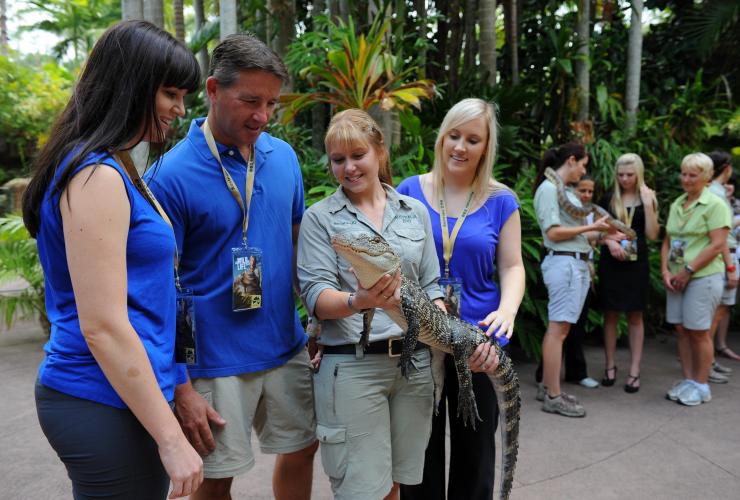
{"x": 339, "y": 9}
{"x": 634, "y": 56}
{"x": 420, "y": 6}
{"x": 154, "y": 12}
{"x": 3, "y": 28}
{"x": 131, "y": 9}
{"x": 227, "y": 17}
{"x": 469, "y": 18}
{"x": 202, "y": 55}
{"x": 456, "y": 37}
{"x": 513, "y": 41}
{"x": 283, "y": 21}
{"x": 179, "y": 20}
{"x": 583, "y": 63}
{"x": 437, "y": 68}
{"x": 386, "y": 119}
{"x": 320, "y": 111}
{"x": 487, "y": 53}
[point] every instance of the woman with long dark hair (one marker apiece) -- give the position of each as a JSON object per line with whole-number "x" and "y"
{"x": 108, "y": 257}
{"x": 565, "y": 267}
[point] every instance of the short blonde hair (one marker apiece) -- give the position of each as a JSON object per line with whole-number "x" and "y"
{"x": 355, "y": 127}
{"x": 700, "y": 162}
{"x": 463, "y": 112}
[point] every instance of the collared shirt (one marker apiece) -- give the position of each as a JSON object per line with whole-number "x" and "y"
{"x": 550, "y": 213}
{"x": 718, "y": 189}
{"x": 406, "y": 227}
{"x": 207, "y": 220}
{"x": 692, "y": 225}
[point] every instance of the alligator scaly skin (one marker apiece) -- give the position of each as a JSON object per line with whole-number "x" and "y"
{"x": 428, "y": 324}
{"x": 587, "y": 208}
{"x": 371, "y": 257}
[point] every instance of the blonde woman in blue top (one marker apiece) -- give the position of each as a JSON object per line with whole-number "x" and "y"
{"x": 108, "y": 257}
{"x": 477, "y": 235}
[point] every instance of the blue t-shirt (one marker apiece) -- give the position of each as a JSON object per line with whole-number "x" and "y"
{"x": 69, "y": 366}
{"x": 190, "y": 186}
{"x": 474, "y": 254}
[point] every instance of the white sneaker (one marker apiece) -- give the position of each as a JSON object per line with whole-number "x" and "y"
{"x": 589, "y": 383}
{"x": 716, "y": 377}
{"x": 693, "y": 394}
{"x": 725, "y": 370}
{"x": 673, "y": 392}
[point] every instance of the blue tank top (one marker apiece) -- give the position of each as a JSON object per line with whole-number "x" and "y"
{"x": 474, "y": 255}
{"x": 69, "y": 366}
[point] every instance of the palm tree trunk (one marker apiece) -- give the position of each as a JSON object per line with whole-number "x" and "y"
{"x": 131, "y": 9}
{"x": 177, "y": 7}
{"x": 3, "y": 28}
{"x": 420, "y": 6}
{"x": 320, "y": 111}
{"x": 202, "y": 55}
{"x": 469, "y": 17}
{"x": 513, "y": 41}
{"x": 487, "y": 53}
{"x": 227, "y": 17}
{"x": 583, "y": 30}
{"x": 456, "y": 38}
{"x": 153, "y": 12}
{"x": 634, "y": 56}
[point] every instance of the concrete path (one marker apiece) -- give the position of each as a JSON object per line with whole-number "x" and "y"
{"x": 637, "y": 446}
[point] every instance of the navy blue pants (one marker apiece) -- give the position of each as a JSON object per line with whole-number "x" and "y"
{"x": 472, "y": 452}
{"x": 107, "y": 452}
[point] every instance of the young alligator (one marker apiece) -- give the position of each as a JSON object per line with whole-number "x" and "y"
{"x": 371, "y": 257}
{"x": 587, "y": 208}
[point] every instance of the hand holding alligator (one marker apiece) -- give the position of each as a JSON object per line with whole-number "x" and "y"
{"x": 483, "y": 359}
{"x": 384, "y": 294}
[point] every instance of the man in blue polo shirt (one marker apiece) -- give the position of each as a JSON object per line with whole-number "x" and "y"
{"x": 235, "y": 197}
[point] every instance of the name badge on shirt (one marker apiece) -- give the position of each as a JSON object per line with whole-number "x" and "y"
{"x": 246, "y": 289}
{"x": 678, "y": 247}
{"x": 452, "y": 290}
{"x": 185, "y": 328}
{"x": 630, "y": 249}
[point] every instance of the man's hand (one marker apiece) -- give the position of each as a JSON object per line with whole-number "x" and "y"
{"x": 194, "y": 414}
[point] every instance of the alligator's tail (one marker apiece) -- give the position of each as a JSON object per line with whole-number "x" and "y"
{"x": 506, "y": 384}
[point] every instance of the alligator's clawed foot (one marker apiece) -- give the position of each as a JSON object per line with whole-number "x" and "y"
{"x": 467, "y": 409}
{"x": 404, "y": 362}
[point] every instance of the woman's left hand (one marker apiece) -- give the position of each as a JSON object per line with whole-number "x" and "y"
{"x": 501, "y": 320}
{"x": 680, "y": 280}
{"x": 483, "y": 359}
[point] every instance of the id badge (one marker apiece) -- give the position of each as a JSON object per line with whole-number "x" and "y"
{"x": 678, "y": 247}
{"x": 185, "y": 328}
{"x": 246, "y": 289}
{"x": 630, "y": 249}
{"x": 452, "y": 291}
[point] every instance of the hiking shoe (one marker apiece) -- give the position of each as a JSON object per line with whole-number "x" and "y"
{"x": 540, "y": 392}
{"x": 588, "y": 383}
{"x": 673, "y": 392}
{"x": 564, "y": 405}
{"x": 694, "y": 394}
{"x": 725, "y": 370}
{"x": 716, "y": 377}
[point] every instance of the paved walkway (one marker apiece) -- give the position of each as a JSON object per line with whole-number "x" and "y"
{"x": 629, "y": 446}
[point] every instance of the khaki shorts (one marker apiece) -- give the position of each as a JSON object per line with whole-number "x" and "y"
{"x": 694, "y": 307}
{"x": 372, "y": 423}
{"x": 567, "y": 280}
{"x": 277, "y": 402}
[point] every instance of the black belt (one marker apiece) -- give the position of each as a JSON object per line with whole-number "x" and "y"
{"x": 391, "y": 347}
{"x": 575, "y": 255}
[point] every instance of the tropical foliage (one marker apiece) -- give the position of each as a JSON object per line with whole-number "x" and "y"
{"x": 420, "y": 57}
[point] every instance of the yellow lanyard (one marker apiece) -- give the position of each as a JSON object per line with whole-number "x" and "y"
{"x": 230, "y": 181}
{"x": 630, "y": 216}
{"x": 124, "y": 158}
{"x": 448, "y": 240}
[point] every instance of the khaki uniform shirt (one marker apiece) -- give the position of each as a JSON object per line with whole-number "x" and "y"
{"x": 406, "y": 227}
{"x": 550, "y": 213}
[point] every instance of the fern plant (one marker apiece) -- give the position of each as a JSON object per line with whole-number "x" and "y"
{"x": 19, "y": 262}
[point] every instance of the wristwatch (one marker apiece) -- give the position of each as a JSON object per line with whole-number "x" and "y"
{"x": 689, "y": 269}
{"x": 350, "y": 300}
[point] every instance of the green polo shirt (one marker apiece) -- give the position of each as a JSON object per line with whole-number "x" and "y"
{"x": 692, "y": 226}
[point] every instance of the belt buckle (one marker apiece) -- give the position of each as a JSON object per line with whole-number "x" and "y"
{"x": 391, "y": 352}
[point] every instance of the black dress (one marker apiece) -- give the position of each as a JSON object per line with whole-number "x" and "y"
{"x": 623, "y": 285}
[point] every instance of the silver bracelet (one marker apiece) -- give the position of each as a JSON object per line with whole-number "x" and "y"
{"x": 350, "y": 301}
